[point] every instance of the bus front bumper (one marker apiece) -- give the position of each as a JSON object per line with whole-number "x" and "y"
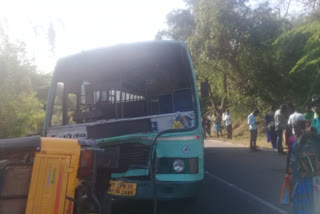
{"x": 165, "y": 190}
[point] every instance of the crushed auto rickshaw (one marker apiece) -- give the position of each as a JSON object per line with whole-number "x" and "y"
{"x": 52, "y": 175}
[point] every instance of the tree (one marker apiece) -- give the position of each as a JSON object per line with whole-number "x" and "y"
{"x": 306, "y": 7}
{"x": 21, "y": 112}
{"x": 298, "y": 56}
{"x": 231, "y": 47}
{"x": 51, "y": 37}
{"x": 180, "y": 25}
{"x": 311, "y": 5}
{"x": 215, "y": 44}
{"x": 251, "y": 57}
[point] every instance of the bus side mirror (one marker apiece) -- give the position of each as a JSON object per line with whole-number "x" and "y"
{"x": 204, "y": 89}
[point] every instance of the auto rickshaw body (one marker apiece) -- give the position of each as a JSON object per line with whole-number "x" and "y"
{"x": 51, "y": 176}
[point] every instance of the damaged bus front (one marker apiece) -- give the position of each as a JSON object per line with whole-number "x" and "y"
{"x": 141, "y": 99}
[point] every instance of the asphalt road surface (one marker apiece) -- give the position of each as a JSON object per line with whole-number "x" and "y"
{"x": 237, "y": 181}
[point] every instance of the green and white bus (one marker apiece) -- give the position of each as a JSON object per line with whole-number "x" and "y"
{"x": 140, "y": 99}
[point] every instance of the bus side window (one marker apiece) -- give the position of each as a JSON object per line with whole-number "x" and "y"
{"x": 57, "y": 111}
{"x": 72, "y": 107}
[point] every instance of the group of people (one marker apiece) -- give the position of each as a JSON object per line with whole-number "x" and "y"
{"x": 219, "y": 123}
{"x": 279, "y": 124}
{"x": 301, "y": 133}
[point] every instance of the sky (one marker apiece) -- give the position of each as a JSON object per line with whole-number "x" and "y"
{"x": 81, "y": 25}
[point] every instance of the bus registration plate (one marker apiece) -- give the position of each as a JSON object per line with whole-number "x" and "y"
{"x": 121, "y": 188}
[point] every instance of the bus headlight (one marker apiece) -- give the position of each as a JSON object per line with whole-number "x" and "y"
{"x": 178, "y": 165}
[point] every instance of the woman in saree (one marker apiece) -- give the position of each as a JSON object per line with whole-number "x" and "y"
{"x": 305, "y": 185}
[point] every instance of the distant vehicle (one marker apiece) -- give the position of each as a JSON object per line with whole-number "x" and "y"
{"x": 139, "y": 98}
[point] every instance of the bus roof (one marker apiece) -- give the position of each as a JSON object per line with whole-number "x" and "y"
{"x": 99, "y": 58}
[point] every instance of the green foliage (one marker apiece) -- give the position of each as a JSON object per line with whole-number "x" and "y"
{"x": 251, "y": 57}
{"x": 21, "y": 114}
{"x": 311, "y": 51}
{"x": 233, "y": 41}
{"x": 181, "y": 25}
{"x": 298, "y": 57}
{"x": 21, "y": 111}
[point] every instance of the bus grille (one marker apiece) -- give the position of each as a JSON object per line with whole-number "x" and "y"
{"x": 133, "y": 156}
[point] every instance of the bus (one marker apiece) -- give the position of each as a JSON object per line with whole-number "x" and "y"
{"x": 139, "y": 99}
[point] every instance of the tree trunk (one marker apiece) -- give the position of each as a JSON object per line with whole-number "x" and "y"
{"x": 288, "y": 7}
{"x": 225, "y": 92}
{"x": 219, "y": 109}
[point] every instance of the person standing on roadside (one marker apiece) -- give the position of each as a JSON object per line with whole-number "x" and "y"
{"x": 217, "y": 124}
{"x": 204, "y": 125}
{"x": 227, "y": 119}
{"x": 289, "y": 131}
{"x": 223, "y": 120}
{"x": 294, "y": 117}
{"x": 209, "y": 121}
{"x": 302, "y": 165}
{"x": 315, "y": 124}
{"x": 280, "y": 125}
{"x": 315, "y": 101}
{"x": 270, "y": 128}
{"x": 308, "y": 115}
{"x": 253, "y": 129}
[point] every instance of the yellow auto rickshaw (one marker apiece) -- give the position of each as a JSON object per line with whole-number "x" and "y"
{"x": 54, "y": 176}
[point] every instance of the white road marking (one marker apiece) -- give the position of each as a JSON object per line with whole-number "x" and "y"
{"x": 217, "y": 143}
{"x": 256, "y": 198}
{"x": 173, "y": 138}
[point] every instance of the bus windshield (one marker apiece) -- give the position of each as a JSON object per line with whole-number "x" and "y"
{"x": 149, "y": 86}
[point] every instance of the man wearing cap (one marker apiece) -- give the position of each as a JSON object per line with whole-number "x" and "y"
{"x": 280, "y": 124}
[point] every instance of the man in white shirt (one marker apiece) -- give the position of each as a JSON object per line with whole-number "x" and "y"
{"x": 280, "y": 125}
{"x": 253, "y": 129}
{"x": 223, "y": 121}
{"x": 294, "y": 117}
{"x": 227, "y": 119}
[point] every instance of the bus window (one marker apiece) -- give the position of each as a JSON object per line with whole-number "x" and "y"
{"x": 72, "y": 107}
{"x": 57, "y": 111}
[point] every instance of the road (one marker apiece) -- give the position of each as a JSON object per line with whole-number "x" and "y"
{"x": 237, "y": 181}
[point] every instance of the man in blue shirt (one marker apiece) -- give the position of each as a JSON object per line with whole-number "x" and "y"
{"x": 253, "y": 129}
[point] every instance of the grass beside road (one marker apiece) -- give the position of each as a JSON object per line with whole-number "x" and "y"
{"x": 241, "y": 135}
